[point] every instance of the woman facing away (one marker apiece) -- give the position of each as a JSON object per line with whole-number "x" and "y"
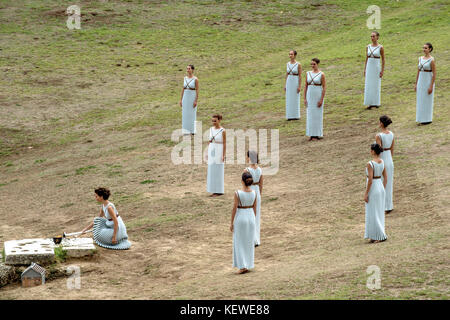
{"x": 243, "y": 225}
{"x": 375, "y": 196}
{"x": 255, "y": 170}
{"x": 386, "y": 140}
{"x": 109, "y": 231}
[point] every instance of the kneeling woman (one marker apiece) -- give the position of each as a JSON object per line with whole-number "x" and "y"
{"x": 243, "y": 225}
{"x": 109, "y": 230}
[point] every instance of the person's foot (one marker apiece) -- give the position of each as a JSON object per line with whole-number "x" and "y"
{"x": 242, "y": 271}
{"x": 425, "y": 123}
{"x": 256, "y": 245}
{"x": 388, "y": 211}
{"x": 310, "y": 138}
{"x": 368, "y": 107}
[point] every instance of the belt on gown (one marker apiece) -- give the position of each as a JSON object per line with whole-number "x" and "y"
{"x": 257, "y": 183}
{"x": 189, "y": 88}
{"x": 245, "y": 207}
{"x": 219, "y": 142}
{"x": 385, "y": 149}
{"x": 426, "y": 70}
{"x": 376, "y": 177}
{"x": 314, "y": 84}
{"x": 374, "y": 57}
{"x": 112, "y": 219}
{"x": 292, "y": 74}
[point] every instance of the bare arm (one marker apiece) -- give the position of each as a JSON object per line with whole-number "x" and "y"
{"x": 384, "y": 177}
{"x": 181, "y": 98}
{"x": 254, "y": 206}
{"x": 285, "y": 80}
{"x": 299, "y": 77}
{"x": 305, "y": 91}
{"x": 417, "y": 77}
{"x": 392, "y": 147}
{"x": 382, "y": 61}
{"x": 261, "y": 180}
{"x": 233, "y": 213}
{"x": 91, "y": 225}
{"x": 369, "y": 182}
{"x": 113, "y": 216}
{"x": 324, "y": 88}
{"x": 196, "y": 92}
{"x": 224, "y": 145}
{"x": 433, "y": 68}
{"x": 365, "y": 64}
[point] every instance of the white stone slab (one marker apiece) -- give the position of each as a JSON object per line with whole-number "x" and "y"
{"x": 78, "y": 247}
{"x": 23, "y": 252}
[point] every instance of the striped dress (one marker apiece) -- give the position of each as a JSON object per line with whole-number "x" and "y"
{"x": 104, "y": 229}
{"x": 375, "y": 207}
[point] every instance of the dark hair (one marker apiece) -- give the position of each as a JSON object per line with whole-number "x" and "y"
{"x": 376, "y": 147}
{"x": 295, "y": 52}
{"x": 385, "y": 120}
{"x": 376, "y": 32}
{"x": 192, "y": 66}
{"x": 253, "y": 155}
{"x": 316, "y": 60}
{"x": 430, "y": 46}
{"x": 218, "y": 116}
{"x": 103, "y": 192}
{"x": 247, "y": 178}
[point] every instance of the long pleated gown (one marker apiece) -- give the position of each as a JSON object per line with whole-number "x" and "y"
{"x": 372, "y": 88}
{"x": 314, "y": 114}
{"x": 256, "y": 175}
{"x": 244, "y": 232}
{"x": 189, "y": 113}
{"x": 292, "y": 97}
{"x": 104, "y": 228}
{"x": 386, "y": 155}
{"x": 424, "y": 101}
{"x": 374, "y": 229}
{"x": 216, "y": 167}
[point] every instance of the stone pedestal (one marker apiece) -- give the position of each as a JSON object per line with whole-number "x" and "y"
{"x": 41, "y": 251}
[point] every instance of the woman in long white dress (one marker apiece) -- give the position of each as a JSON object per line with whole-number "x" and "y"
{"x": 375, "y": 197}
{"x": 292, "y": 87}
{"x": 188, "y": 102}
{"x": 373, "y": 72}
{"x": 426, "y": 76}
{"x": 386, "y": 140}
{"x": 216, "y": 157}
{"x": 315, "y": 87}
{"x": 243, "y": 225}
{"x": 257, "y": 186}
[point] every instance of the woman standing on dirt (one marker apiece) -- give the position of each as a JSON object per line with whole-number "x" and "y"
{"x": 216, "y": 157}
{"x": 426, "y": 76}
{"x": 373, "y": 72}
{"x": 188, "y": 102}
{"x": 243, "y": 225}
{"x": 293, "y": 81}
{"x": 375, "y": 196}
{"x": 314, "y": 94}
{"x": 109, "y": 231}
{"x": 257, "y": 185}
{"x": 386, "y": 140}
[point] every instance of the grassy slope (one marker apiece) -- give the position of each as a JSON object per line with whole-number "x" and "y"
{"x": 61, "y": 89}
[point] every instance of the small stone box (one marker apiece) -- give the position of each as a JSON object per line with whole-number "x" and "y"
{"x": 33, "y": 276}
